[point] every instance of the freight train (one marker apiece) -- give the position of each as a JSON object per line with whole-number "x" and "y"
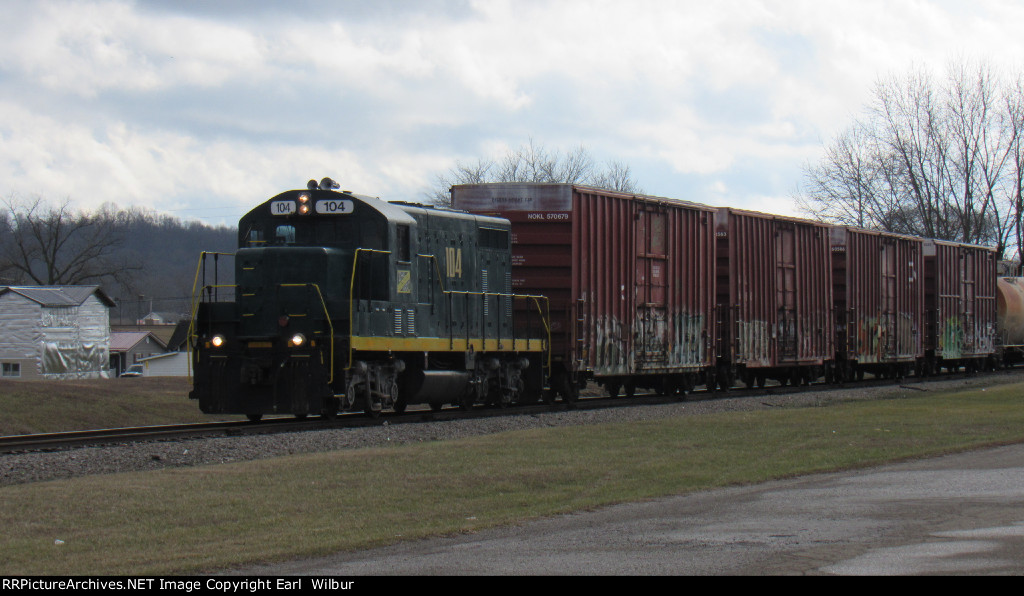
{"x": 346, "y": 302}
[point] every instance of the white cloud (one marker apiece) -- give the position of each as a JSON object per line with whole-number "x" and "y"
{"x": 127, "y": 102}
{"x": 87, "y": 48}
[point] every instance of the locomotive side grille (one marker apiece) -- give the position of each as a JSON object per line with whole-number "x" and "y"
{"x": 483, "y": 278}
{"x": 410, "y": 322}
{"x": 398, "y": 321}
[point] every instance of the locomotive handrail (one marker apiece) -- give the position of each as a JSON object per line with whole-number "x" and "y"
{"x": 351, "y": 298}
{"x": 437, "y": 269}
{"x": 194, "y": 307}
{"x": 544, "y": 316}
{"x": 323, "y": 303}
{"x": 200, "y": 267}
{"x": 192, "y": 319}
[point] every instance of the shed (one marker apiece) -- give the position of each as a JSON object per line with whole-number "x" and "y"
{"x": 54, "y": 332}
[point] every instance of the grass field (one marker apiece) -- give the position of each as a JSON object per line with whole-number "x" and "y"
{"x": 190, "y": 520}
{"x": 55, "y": 406}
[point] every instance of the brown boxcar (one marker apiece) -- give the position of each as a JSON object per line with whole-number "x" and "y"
{"x": 878, "y": 287}
{"x": 960, "y": 305}
{"x": 774, "y": 288}
{"x": 630, "y": 280}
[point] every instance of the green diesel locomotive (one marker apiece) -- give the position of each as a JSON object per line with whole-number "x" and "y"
{"x": 345, "y": 302}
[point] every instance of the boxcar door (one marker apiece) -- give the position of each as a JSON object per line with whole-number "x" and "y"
{"x": 786, "y": 288}
{"x": 888, "y": 301}
{"x": 967, "y": 304}
{"x": 651, "y": 329}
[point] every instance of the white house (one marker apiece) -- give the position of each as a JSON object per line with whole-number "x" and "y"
{"x": 54, "y": 332}
{"x": 171, "y": 364}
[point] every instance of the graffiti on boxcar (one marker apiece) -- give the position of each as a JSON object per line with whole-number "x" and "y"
{"x": 906, "y": 336}
{"x": 809, "y": 336}
{"x": 951, "y": 338}
{"x": 786, "y": 335}
{"x": 869, "y": 339}
{"x": 754, "y": 341}
{"x": 650, "y": 337}
{"x": 654, "y": 347}
{"x": 987, "y": 339}
{"x": 883, "y": 339}
{"x": 610, "y": 346}
{"x": 689, "y": 348}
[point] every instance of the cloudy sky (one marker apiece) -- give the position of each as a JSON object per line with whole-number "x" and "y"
{"x": 202, "y": 109}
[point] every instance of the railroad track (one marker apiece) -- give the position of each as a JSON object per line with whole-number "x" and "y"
{"x": 87, "y": 438}
{"x": 82, "y": 438}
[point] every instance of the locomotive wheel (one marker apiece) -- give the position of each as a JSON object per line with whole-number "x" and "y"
{"x": 371, "y": 408}
{"x": 571, "y": 394}
{"x": 330, "y": 408}
{"x": 749, "y": 380}
{"x": 469, "y": 398}
{"x": 254, "y": 417}
{"x": 613, "y": 388}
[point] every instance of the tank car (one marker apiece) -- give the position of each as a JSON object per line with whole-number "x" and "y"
{"x": 1010, "y": 318}
{"x": 345, "y": 302}
{"x": 630, "y": 279}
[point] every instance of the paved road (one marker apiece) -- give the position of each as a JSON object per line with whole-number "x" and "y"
{"x": 959, "y": 514}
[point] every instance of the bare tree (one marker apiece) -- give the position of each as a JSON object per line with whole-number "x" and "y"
{"x": 534, "y": 163}
{"x": 49, "y": 245}
{"x": 935, "y": 159}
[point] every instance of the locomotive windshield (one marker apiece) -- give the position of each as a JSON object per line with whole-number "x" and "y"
{"x": 327, "y": 231}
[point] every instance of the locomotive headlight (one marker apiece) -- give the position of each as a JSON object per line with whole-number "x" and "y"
{"x": 217, "y": 341}
{"x": 297, "y": 340}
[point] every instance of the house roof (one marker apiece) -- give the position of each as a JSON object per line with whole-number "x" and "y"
{"x": 164, "y": 332}
{"x": 180, "y": 336}
{"x": 122, "y": 341}
{"x": 59, "y": 295}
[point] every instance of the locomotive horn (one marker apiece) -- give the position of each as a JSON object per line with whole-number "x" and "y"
{"x": 328, "y": 184}
{"x": 311, "y": 185}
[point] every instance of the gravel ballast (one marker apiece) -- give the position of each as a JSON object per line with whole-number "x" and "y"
{"x": 20, "y": 468}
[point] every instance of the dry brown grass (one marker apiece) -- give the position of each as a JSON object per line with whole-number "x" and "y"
{"x": 55, "y": 406}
